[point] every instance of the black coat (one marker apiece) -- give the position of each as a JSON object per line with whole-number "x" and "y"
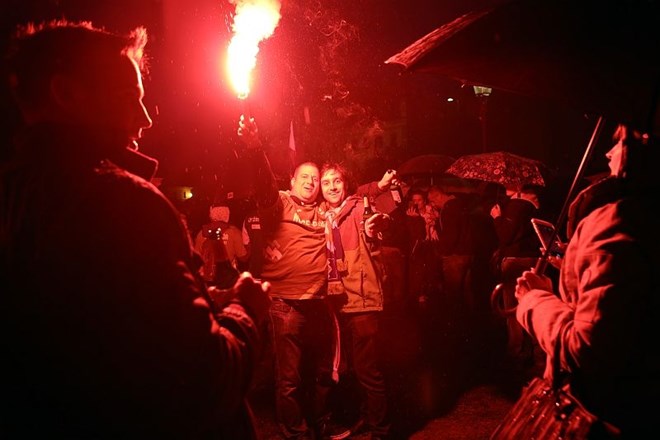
{"x": 104, "y": 331}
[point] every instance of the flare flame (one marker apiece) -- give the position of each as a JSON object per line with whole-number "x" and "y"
{"x": 254, "y": 21}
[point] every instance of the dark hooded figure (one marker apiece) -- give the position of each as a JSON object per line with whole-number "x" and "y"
{"x": 106, "y": 329}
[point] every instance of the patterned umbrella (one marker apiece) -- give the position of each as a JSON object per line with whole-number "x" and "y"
{"x": 507, "y": 169}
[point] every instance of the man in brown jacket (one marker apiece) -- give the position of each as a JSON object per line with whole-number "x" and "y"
{"x": 352, "y": 250}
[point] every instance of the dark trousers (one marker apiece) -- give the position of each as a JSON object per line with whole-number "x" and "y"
{"x": 360, "y": 341}
{"x": 520, "y": 345}
{"x": 303, "y": 332}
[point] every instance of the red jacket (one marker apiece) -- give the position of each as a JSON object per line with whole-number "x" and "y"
{"x": 294, "y": 258}
{"x": 362, "y": 278}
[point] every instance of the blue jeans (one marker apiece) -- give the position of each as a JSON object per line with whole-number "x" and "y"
{"x": 303, "y": 335}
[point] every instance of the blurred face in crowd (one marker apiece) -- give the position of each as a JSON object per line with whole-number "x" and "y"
{"x": 333, "y": 187}
{"x": 418, "y": 202}
{"x": 305, "y": 182}
{"x": 436, "y": 198}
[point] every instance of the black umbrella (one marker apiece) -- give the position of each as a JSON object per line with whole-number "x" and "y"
{"x": 596, "y": 56}
{"x": 425, "y": 165}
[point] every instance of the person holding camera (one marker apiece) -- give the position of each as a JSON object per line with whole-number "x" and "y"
{"x": 221, "y": 246}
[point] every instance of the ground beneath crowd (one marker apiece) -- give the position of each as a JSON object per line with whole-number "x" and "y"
{"x": 454, "y": 384}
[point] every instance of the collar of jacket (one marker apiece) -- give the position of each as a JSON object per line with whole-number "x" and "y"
{"x": 301, "y": 202}
{"x": 599, "y": 193}
{"x": 342, "y": 210}
{"x": 78, "y": 144}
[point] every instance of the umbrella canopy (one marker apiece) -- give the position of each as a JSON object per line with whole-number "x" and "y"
{"x": 595, "y": 56}
{"x": 424, "y": 166}
{"x": 507, "y": 169}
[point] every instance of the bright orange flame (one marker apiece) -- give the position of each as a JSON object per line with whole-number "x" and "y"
{"x": 255, "y": 20}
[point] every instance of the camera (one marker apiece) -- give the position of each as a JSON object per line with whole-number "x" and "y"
{"x": 212, "y": 233}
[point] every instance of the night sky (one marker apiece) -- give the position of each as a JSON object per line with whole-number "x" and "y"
{"x": 326, "y": 60}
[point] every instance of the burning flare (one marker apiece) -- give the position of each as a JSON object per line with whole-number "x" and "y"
{"x": 254, "y": 21}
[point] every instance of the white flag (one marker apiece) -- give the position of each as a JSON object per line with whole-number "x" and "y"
{"x": 292, "y": 144}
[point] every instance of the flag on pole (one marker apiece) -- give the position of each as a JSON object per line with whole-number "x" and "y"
{"x": 292, "y": 145}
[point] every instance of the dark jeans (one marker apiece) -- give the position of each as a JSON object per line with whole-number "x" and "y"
{"x": 423, "y": 270}
{"x": 520, "y": 345}
{"x": 457, "y": 282}
{"x": 394, "y": 279}
{"x": 303, "y": 332}
{"x": 359, "y": 338}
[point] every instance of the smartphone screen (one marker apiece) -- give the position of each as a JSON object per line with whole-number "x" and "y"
{"x": 545, "y": 232}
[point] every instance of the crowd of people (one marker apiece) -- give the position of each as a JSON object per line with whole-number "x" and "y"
{"x": 119, "y": 322}
{"x": 439, "y": 276}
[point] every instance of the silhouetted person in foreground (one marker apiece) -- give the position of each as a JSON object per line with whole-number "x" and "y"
{"x": 107, "y": 331}
{"x": 602, "y": 324}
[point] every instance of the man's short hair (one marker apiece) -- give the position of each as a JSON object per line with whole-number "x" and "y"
{"x": 40, "y": 51}
{"x": 301, "y": 164}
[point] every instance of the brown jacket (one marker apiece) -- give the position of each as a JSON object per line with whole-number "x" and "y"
{"x": 364, "y": 270}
